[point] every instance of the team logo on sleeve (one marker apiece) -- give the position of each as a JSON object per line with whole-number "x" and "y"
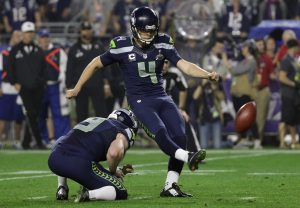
{"x": 171, "y": 41}
{"x": 131, "y": 57}
{"x": 112, "y": 44}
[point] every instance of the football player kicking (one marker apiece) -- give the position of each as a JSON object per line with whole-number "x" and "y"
{"x": 76, "y": 156}
{"x": 141, "y": 58}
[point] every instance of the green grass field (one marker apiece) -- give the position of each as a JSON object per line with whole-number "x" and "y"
{"x": 229, "y": 178}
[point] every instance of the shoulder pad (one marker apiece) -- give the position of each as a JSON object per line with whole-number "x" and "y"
{"x": 120, "y": 41}
{"x": 164, "y": 38}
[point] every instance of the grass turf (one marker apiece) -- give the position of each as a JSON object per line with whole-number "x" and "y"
{"x": 229, "y": 178}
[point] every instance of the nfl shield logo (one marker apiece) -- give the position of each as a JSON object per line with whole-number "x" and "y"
{"x": 145, "y": 56}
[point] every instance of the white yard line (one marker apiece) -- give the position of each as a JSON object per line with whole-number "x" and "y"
{"x": 142, "y": 197}
{"x": 36, "y": 197}
{"x": 25, "y": 177}
{"x": 213, "y": 171}
{"x": 149, "y": 164}
{"x": 248, "y": 198}
{"x": 210, "y": 159}
{"x": 239, "y": 156}
{"x": 272, "y": 174}
{"x": 26, "y": 172}
{"x": 201, "y": 172}
{"x": 151, "y": 172}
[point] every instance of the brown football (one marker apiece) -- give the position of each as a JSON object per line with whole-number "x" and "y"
{"x": 245, "y": 117}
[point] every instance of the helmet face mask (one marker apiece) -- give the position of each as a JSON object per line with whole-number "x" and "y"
{"x": 146, "y": 36}
{"x": 144, "y": 24}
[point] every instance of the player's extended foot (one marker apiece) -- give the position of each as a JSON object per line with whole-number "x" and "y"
{"x": 62, "y": 193}
{"x": 195, "y": 158}
{"x": 174, "y": 191}
{"x": 82, "y": 195}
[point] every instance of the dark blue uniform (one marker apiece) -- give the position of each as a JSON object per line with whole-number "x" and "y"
{"x": 77, "y": 154}
{"x": 142, "y": 72}
{"x": 54, "y": 98}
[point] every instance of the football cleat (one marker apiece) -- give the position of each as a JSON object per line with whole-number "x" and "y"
{"x": 174, "y": 191}
{"x": 82, "y": 195}
{"x": 62, "y": 193}
{"x": 195, "y": 158}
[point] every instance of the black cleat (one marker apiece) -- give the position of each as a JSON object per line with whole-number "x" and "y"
{"x": 82, "y": 195}
{"x": 62, "y": 193}
{"x": 174, "y": 191}
{"x": 195, "y": 158}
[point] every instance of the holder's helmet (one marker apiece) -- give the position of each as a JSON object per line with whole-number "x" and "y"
{"x": 126, "y": 117}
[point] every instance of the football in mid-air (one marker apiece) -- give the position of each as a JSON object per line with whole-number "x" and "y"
{"x": 245, "y": 117}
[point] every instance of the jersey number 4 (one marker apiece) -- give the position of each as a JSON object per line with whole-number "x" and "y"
{"x": 149, "y": 71}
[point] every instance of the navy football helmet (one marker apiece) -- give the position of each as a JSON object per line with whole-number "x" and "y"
{"x": 126, "y": 117}
{"x": 144, "y": 19}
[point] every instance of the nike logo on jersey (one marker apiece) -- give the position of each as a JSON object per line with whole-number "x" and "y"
{"x": 139, "y": 101}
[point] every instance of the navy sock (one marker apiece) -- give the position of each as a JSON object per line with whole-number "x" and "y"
{"x": 165, "y": 143}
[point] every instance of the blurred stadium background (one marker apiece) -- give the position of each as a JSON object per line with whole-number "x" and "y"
{"x": 206, "y": 32}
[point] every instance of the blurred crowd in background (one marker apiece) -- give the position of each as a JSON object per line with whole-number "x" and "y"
{"x": 252, "y": 44}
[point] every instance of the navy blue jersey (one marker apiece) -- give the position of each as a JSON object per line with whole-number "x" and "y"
{"x": 232, "y": 23}
{"x": 92, "y": 137}
{"x": 56, "y": 60}
{"x": 141, "y": 68}
{"x": 19, "y": 11}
